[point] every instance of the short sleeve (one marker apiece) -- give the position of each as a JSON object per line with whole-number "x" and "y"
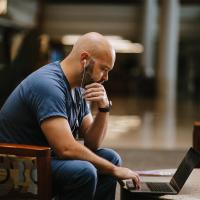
{"x": 47, "y": 100}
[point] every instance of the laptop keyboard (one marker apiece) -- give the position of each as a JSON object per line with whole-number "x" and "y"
{"x": 159, "y": 187}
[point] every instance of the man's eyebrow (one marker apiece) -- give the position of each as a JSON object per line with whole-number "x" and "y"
{"x": 107, "y": 68}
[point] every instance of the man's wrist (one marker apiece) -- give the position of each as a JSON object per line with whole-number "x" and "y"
{"x": 106, "y": 108}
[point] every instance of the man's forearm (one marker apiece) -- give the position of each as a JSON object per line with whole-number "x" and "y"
{"x": 97, "y": 131}
{"x": 80, "y": 152}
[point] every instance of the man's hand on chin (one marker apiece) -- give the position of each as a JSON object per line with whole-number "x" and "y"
{"x": 95, "y": 92}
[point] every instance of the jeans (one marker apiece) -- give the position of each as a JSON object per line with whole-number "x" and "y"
{"x": 80, "y": 180}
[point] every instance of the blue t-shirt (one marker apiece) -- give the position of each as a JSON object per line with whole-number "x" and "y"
{"x": 43, "y": 94}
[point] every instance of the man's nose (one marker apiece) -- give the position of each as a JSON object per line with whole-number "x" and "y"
{"x": 105, "y": 76}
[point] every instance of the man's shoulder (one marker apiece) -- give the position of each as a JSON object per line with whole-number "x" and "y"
{"x": 47, "y": 77}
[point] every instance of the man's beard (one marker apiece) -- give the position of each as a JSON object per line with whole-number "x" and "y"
{"x": 87, "y": 79}
{"x": 87, "y": 74}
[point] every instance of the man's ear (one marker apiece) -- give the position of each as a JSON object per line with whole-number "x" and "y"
{"x": 83, "y": 58}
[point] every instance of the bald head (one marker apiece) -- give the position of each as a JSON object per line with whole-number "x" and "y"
{"x": 93, "y": 52}
{"x": 96, "y": 45}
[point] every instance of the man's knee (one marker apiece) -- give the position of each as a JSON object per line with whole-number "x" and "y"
{"x": 110, "y": 155}
{"x": 116, "y": 159}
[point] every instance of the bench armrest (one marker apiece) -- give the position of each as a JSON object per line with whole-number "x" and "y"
{"x": 25, "y": 150}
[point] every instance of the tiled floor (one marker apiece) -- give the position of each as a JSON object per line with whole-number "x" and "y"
{"x": 151, "y": 124}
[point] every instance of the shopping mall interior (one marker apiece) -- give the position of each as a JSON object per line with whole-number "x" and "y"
{"x": 155, "y": 83}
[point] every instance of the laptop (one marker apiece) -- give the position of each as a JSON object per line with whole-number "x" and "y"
{"x": 189, "y": 162}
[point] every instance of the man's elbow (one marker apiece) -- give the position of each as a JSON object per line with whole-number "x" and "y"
{"x": 66, "y": 153}
{"x": 62, "y": 154}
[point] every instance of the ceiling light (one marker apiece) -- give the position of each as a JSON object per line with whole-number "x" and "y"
{"x": 119, "y": 44}
{"x": 3, "y": 7}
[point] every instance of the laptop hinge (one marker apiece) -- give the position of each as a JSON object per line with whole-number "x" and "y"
{"x": 174, "y": 184}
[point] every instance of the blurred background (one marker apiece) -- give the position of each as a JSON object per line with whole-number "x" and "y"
{"x": 155, "y": 84}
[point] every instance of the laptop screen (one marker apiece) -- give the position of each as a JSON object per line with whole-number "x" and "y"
{"x": 191, "y": 159}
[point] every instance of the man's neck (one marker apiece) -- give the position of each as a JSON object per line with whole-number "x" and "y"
{"x": 68, "y": 70}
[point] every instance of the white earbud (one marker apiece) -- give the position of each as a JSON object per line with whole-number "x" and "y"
{"x": 84, "y": 61}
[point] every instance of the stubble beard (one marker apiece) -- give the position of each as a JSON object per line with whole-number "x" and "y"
{"x": 87, "y": 75}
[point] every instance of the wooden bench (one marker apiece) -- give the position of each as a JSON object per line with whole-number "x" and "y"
{"x": 43, "y": 165}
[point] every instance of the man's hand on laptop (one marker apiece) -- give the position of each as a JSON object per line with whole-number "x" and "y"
{"x": 123, "y": 173}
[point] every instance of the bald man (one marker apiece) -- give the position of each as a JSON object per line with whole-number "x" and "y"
{"x": 49, "y": 108}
